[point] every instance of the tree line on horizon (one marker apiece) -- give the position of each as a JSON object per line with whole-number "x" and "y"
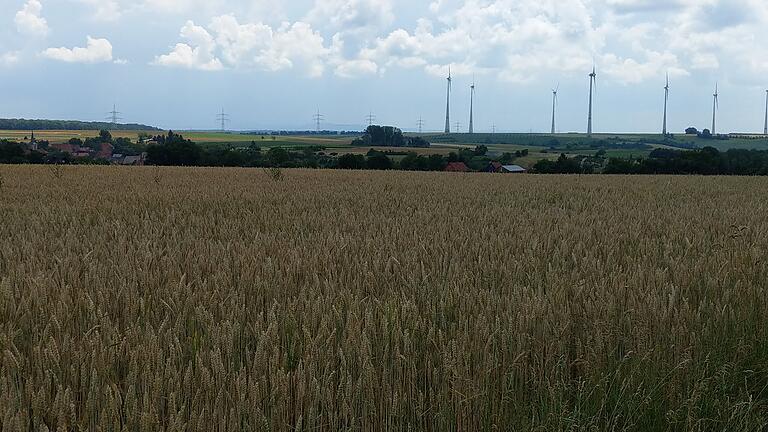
{"x": 34, "y": 125}
{"x": 705, "y": 161}
{"x": 172, "y": 149}
{"x": 388, "y": 136}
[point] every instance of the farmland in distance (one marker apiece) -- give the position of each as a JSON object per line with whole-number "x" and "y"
{"x": 221, "y": 299}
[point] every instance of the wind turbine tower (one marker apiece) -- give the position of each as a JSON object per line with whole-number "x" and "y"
{"x": 448, "y": 104}
{"x": 592, "y": 85}
{"x": 765, "y": 128}
{"x": 666, "y": 100}
{"x": 554, "y": 107}
{"x": 472, "y": 107}
{"x": 715, "y": 106}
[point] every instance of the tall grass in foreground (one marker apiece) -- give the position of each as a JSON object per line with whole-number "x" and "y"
{"x": 219, "y": 300}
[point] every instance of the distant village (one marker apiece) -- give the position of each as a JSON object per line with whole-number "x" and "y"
{"x": 172, "y": 149}
{"x": 100, "y": 149}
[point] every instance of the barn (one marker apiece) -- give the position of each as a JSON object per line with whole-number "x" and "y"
{"x": 513, "y": 169}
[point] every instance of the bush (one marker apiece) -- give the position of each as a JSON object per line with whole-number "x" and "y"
{"x": 379, "y": 161}
{"x": 351, "y": 162}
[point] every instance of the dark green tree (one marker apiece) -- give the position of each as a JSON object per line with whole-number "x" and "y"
{"x": 379, "y": 161}
{"x": 351, "y": 161}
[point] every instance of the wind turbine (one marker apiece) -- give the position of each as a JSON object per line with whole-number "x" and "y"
{"x": 666, "y": 100}
{"x": 765, "y": 128}
{"x": 554, "y": 106}
{"x": 592, "y": 84}
{"x": 715, "y": 106}
{"x": 448, "y": 104}
{"x": 472, "y": 107}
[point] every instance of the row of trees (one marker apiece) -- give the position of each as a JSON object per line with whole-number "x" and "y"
{"x": 706, "y": 161}
{"x": 24, "y": 124}
{"x": 376, "y": 160}
{"x": 174, "y": 150}
{"x": 388, "y": 136}
{"x": 563, "y": 165}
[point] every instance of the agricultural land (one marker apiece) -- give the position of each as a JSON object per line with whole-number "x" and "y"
{"x": 177, "y": 299}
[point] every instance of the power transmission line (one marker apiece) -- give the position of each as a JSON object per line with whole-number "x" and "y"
{"x": 370, "y": 118}
{"x": 223, "y": 118}
{"x": 318, "y": 118}
{"x": 114, "y": 115}
{"x": 420, "y": 124}
{"x": 458, "y": 127}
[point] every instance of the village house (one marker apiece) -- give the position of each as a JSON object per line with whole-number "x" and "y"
{"x": 65, "y": 148}
{"x": 129, "y": 160}
{"x": 457, "y": 167}
{"x": 78, "y": 151}
{"x": 513, "y": 169}
{"x": 105, "y": 152}
{"x": 493, "y": 167}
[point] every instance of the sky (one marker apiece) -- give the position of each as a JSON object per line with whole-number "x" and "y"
{"x": 272, "y": 65}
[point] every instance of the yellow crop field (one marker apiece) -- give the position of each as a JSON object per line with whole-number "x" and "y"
{"x": 61, "y": 136}
{"x": 148, "y": 299}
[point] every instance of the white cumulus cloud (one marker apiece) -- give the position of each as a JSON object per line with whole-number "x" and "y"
{"x": 197, "y": 54}
{"x": 95, "y": 51}
{"x": 29, "y": 20}
{"x": 226, "y": 43}
{"x": 631, "y": 41}
{"x": 351, "y": 15}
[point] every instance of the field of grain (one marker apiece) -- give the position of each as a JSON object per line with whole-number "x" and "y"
{"x": 210, "y": 138}
{"x": 145, "y": 299}
{"x": 62, "y": 136}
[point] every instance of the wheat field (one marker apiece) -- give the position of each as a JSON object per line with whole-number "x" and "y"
{"x": 147, "y": 299}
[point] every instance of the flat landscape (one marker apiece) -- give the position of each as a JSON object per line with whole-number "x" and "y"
{"x": 61, "y": 136}
{"x": 539, "y": 146}
{"x": 175, "y": 299}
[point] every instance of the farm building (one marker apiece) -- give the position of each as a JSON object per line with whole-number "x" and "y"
{"x": 134, "y": 160}
{"x": 105, "y": 152}
{"x": 513, "y": 169}
{"x": 65, "y": 148}
{"x": 493, "y": 167}
{"x": 457, "y": 167}
{"x": 120, "y": 159}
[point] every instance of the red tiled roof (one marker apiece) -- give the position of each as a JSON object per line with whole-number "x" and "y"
{"x": 66, "y": 148}
{"x": 494, "y": 167}
{"x": 457, "y": 167}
